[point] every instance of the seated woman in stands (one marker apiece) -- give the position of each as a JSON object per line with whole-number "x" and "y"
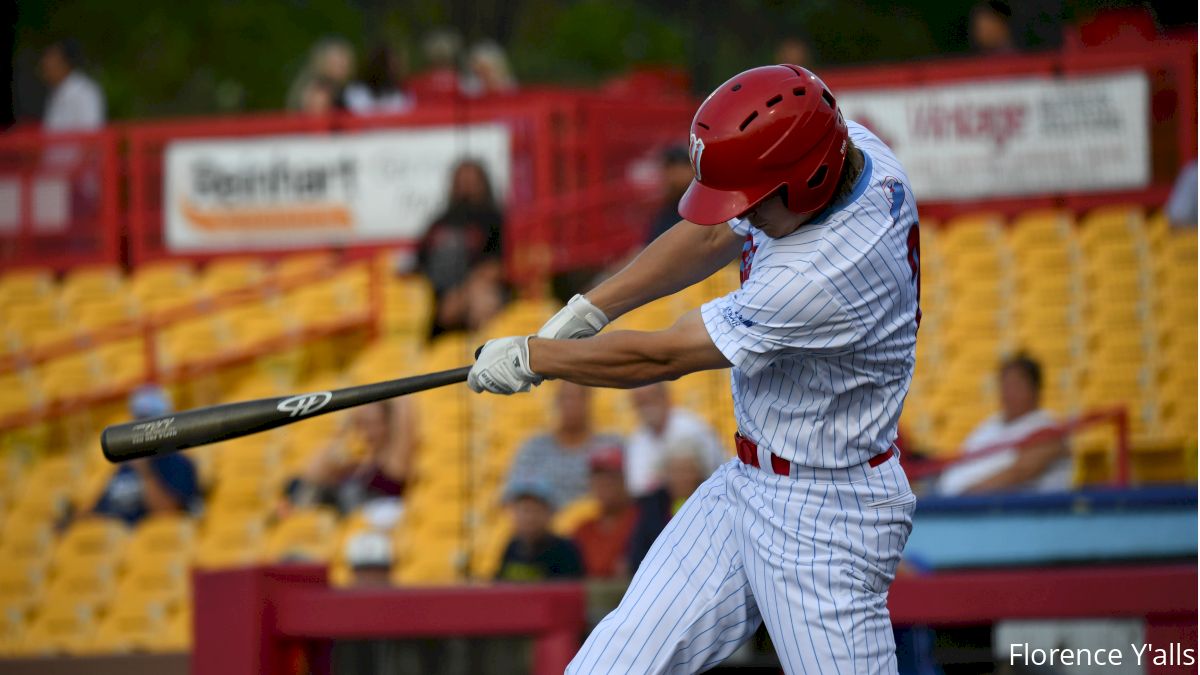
{"x": 346, "y": 477}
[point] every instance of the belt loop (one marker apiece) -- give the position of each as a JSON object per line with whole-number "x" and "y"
{"x": 780, "y": 465}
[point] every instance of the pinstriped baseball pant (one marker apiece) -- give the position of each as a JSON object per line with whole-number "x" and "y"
{"x": 811, "y": 555}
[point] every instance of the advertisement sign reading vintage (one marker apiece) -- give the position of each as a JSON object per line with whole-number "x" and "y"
{"x": 302, "y": 191}
{"x": 1012, "y": 137}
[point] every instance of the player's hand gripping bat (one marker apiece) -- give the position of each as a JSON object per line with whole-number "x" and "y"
{"x": 189, "y": 428}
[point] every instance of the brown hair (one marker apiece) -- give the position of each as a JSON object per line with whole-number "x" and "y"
{"x": 851, "y": 170}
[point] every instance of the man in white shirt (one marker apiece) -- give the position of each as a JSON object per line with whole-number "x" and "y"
{"x": 1044, "y": 466}
{"x": 75, "y": 102}
{"x": 662, "y": 425}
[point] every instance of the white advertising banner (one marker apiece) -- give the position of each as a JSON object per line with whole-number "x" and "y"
{"x": 301, "y": 191}
{"x": 1014, "y": 137}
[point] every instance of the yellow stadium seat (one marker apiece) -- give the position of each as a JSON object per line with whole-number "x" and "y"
{"x": 570, "y": 517}
{"x": 178, "y": 634}
{"x": 89, "y": 282}
{"x": 129, "y": 626}
{"x": 302, "y": 265}
{"x": 490, "y": 543}
{"x": 91, "y": 541}
{"x": 161, "y": 278}
{"x": 230, "y": 541}
{"x": 1112, "y": 223}
{"x": 82, "y": 581}
{"x": 407, "y": 304}
{"x": 161, "y": 537}
{"x": 1039, "y": 227}
{"x": 429, "y": 567}
{"x": 22, "y": 584}
{"x": 25, "y": 283}
{"x": 60, "y": 627}
{"x": 231, "y": 274}
{"x": 103, "y": 312}
{"x": 976, "y": 231}
{"x": 157, "y": 580}
{"x": 12, "y": 629}
{"x": 123, "y": 362}
{"x": 307, "y": 534}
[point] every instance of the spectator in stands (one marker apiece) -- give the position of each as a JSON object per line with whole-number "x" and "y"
{"x": 1181, "y": 205}
{"x": 319, "y": 97}
{"x": 676, "y": 177}
{"x": 461, "y": 253}
{"x": 683, "y": 470}
{"x": 535, "y": 553}
{"x": 604, "y": 539}
{"x": 1043, "y": 466}
{"x": 660, "y": 426}
{"x": 794, "y": 50}
{"x": 560, "y": 458}
{"x": 159, "y": 484}
{"x": 439, "y": 80}
{"x": 331, "y": 59}
{"x": 991, "y": 30}
{"x": 76, "y": 102}
{"x": 489, "y": 73}
{"x": 338, "y": 476}
{"x": 381, "y": 90}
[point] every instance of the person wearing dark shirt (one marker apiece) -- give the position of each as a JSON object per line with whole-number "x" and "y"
{"x": 158, "y": 484}
{"x": 603, "y": 540}
{"x": 461, "y": 253}
{"x": 535, "y": 553}
{"x": 677, "y": 176}
{"x": 683, "y": 471}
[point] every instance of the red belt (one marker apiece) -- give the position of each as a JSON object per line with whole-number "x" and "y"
{"x": 747, "y": 451}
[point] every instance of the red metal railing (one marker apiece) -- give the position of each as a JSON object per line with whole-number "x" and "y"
{"x": 253, "y": 621}
{"x": 59, "y": 199}
{"x": 1118, "y": 417}
{"x": 258, "y": 620}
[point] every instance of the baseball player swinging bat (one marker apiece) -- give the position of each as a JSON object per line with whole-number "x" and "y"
{"x": 133, "y": 440}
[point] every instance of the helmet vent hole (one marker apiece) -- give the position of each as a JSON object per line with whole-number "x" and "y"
{"x": 736, "y": 87}
{"x": 748, "y": 120}
{"x": 702, "y": 125}
{"x": 798, "y": 91}
{"x": 818, "y": 176}
{"x": 775, "y": 99}
{"x": 828, "y": 98}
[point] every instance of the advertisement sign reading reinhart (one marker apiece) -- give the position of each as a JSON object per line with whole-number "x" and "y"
{"x": 1024, "y": 136}
{"x": 298, "y": 191}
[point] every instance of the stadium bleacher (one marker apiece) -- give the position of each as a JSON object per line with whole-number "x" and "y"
{"x": 1105, "y": 299}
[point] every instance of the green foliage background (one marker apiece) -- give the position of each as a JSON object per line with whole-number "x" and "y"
{"x": 170, "y": 58}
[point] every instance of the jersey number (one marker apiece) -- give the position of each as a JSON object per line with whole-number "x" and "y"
{"x": 914, "y": 262}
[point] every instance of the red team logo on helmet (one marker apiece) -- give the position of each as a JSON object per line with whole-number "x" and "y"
{"x": 769, "y": 129}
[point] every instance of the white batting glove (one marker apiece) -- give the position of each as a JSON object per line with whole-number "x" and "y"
{"x": 502, "y": 367}
{"x": 578, "y": 319}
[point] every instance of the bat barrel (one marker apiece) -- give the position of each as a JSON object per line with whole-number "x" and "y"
{"x": 187, "y": 429}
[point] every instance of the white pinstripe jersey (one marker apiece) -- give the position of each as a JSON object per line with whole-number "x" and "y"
{"x": 822, "y": 334}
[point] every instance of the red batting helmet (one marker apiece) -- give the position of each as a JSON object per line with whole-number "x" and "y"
{"x": 768, "y": 128}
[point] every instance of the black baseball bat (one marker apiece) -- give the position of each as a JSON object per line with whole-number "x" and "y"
{"x": 187, "y": 429}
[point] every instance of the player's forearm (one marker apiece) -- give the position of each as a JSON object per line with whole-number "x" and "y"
{"x": 626, "y": 359}
{"x": 682, "y": 256}
{"x": 621, "y": 359}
